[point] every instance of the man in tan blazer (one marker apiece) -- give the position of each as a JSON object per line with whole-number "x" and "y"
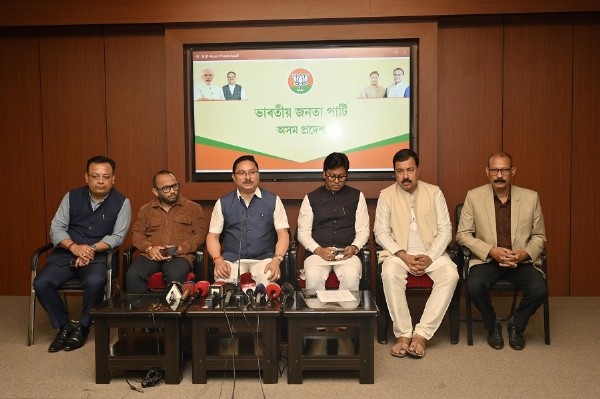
{"x": 503, "y": 226}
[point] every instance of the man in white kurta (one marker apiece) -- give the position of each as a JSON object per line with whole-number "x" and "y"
{"x": 413, "y": 226}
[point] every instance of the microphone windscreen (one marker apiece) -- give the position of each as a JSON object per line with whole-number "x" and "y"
{"x": 273, "y": 290}
{"x": 260, "y": 288}
{"x": 287, "y": 288}
{"x": 203, "y": 287}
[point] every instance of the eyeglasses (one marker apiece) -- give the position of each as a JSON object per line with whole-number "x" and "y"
{"x": 251, "y": 173}
{"x": 339, "y": 177}
{"x": 98, "y": 177}
{"x": 504, "y": 171}
{"x": 166, "y": 189}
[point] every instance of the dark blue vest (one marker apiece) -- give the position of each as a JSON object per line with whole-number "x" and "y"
{"x": 258, "y": 232}
{"x": 237, "y": 92}
{"x": 334, "y": 216}
{"x": 87, "y": 226}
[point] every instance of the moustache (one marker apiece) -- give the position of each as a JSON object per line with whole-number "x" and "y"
{"x": 406, "y": 181}
{"x": 248, "y": 182}
{"x": 499, "y": 180}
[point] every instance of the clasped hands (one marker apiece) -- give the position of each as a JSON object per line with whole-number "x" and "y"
{"x": 417, "y": 264}
{"x": 84, "y": 253}
{"x": 155, "y": 253}
{"x": 507, "y": 257}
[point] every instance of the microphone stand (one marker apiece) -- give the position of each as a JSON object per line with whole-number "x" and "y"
{"x": 240, "y": 296}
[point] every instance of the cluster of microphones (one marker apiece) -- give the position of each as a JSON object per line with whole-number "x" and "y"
{"x": 229, "y": 295}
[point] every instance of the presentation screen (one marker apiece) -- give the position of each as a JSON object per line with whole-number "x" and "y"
{"x": 291, "y": 106}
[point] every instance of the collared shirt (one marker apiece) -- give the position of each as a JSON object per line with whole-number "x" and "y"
{"x": 217, "y": 222}
{"x": 305, "y": 224}
{"x": 372, "y": 92}
{"x": 183, "y": 225}
{"x": 503, "y": 222}
{"x": 231, "y": 88}
{"x": 60, "y": 223}
{"x": 397, "y": 90}
{"x": 208, "y": 92}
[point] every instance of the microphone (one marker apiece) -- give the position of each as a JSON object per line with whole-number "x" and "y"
{"x": 202, "y": 288}
{"x": 273, "y": 291}
{"x": 286, "y": 291}
{"x": 174, "y": 293}
{"x": 188, "y": 288}
{"x": 228, "y": 290}
{"x": 215, "y": 293}
{"x": 239, "y": 295}
{"x": 249, "y": 289}
{"x": 259, "y": 292}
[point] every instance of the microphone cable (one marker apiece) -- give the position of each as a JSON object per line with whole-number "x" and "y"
{"x": 231, "y": 340}
{"x": 258, "y": 344}
{"x": 154, "y": 377}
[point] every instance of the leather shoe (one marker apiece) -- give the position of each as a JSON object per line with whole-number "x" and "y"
{"x": 495, "y": 339}
{"x": 77, "y": 338}
{"x": 515, "y": 338}
{"x": 61, "y": 338}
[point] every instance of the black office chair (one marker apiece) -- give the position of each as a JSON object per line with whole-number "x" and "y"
{"x": 416, "y": 283}
{"x": 74, "y": 285}
{"x": 155, "y": 282}
{"x": 500, "y": 285}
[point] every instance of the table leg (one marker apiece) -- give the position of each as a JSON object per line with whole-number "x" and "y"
{"x": 269, "y": 340}
{"x": 102, "y": 350}
{"x": 294, "y": 351}
{"x": 198, "y": 351}
{"x": 366, "y": 351}
{"x": 173, "y": 369}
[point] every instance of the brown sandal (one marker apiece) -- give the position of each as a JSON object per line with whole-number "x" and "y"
{"x": 402, "y": 343}
{"x": 417, "y": 343}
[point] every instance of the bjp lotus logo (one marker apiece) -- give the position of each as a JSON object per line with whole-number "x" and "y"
{"x": 300, "y": 81}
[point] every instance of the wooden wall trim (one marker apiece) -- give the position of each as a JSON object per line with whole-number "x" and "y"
{"x": 424, "y": 31}
{"x": 104, "y": 12}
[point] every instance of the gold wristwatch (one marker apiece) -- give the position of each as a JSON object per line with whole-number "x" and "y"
{"x": 280, "y": 257}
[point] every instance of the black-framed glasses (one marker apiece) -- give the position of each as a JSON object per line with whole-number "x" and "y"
{"x": 495, "y": 171}
{"x": 250, "y": 173}
{"x": 166, "y": 189}
{"x": 333, "y": 177}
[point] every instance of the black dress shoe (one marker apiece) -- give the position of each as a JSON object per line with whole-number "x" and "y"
{"x": 515, "y": 338}
{"x": 61, "y": 338}
{"x": 495, "y": 339}
{"x": 77, "y": 338}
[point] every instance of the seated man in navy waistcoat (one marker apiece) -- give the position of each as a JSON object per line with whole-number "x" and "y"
{"x": 333, "y": 217}
{"x": 257, "y": 217}
{"x": 90, "y": 220}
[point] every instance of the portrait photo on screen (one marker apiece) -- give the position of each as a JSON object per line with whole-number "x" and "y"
{"x": 291, "y": 106}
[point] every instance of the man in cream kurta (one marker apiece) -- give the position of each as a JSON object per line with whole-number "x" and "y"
{"x": 413, "y": 226}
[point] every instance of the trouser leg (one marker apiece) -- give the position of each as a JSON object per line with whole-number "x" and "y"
{"x": 444, "y": 279}
{"x": 45, "y": 285}
{"x": 529, "y": 280}
{"x": 139, "y": 272}
{"x": 481, "y": 277}
{"x": 394, "y": 276}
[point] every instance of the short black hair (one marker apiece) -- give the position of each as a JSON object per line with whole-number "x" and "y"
{"x": 161, "y": 172}
{"x": 335, "y": 160}
{"x": 242, "y": 159}
{"x": 100, "y": 159}
{"x": 405, "y": 155}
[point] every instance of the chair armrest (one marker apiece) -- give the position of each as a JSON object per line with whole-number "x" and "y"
{"x": 36, "y": 255}
{"x": 544, "y": 263}
{"x": 464, "y": 254}
{"x": 199, "y": 263}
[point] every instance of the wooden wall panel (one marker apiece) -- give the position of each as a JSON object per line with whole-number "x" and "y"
{"x": 538, "y": 72}
{"x": 585, "y": 217}
{"x": 69, "y": 12}
{"x": 425, "y": 31}
{"x": 22, "y": 204}
{"x": 73, "y": 107}
{"x": 136, "y": 112}
{"x": 469, "y": 102}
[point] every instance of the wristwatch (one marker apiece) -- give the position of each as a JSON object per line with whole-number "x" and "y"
{"x": 280, "y": 257}
{"x": 94, "y": 247}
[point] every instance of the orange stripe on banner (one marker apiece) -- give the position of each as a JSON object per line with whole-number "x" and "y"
{"x": 222, "y": 159}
